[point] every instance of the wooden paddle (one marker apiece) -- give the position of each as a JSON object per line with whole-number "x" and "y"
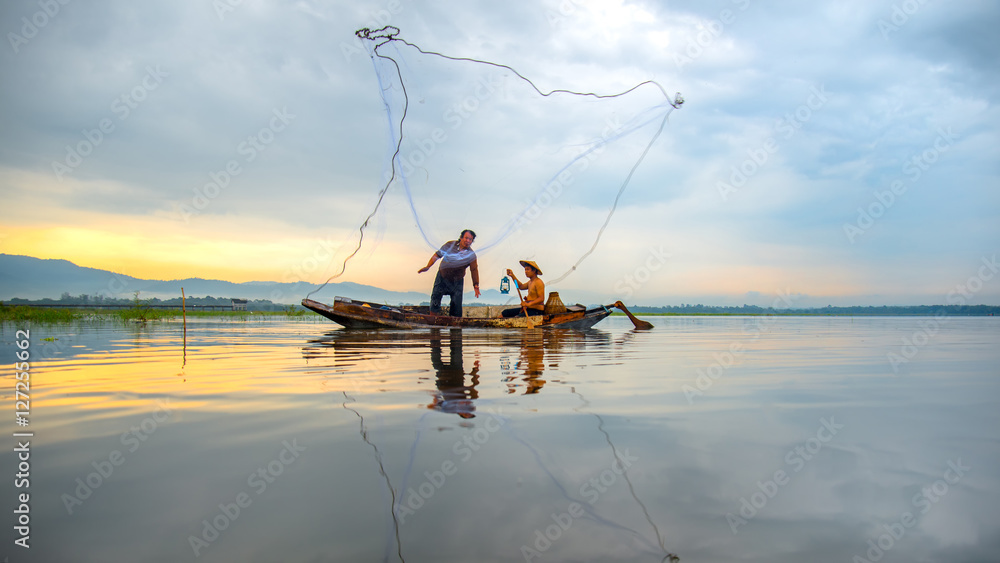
{"x": 639, "y": 325}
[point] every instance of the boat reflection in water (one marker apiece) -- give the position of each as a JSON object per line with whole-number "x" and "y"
{"x": 461, "y": 364}
{"x": 372, "y": 360}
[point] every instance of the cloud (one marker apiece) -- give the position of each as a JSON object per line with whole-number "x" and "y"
{"x": 749, "y": 72}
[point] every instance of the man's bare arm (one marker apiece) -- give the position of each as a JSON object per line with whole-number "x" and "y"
{"x": 434, "y": 258}
{"x": 520, "y": 285}
{"x": 474, "y": 268}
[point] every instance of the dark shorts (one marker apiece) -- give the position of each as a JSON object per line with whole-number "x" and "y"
{"x": 452, "y": 287}
{"x": 519, "y": 312}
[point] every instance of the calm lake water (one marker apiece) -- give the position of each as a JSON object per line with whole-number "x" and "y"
{"x": 788, "y": 439}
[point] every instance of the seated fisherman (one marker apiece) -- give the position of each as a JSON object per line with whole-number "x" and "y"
{"x": 456, "y": 256}
{"x": 534, "y": 302}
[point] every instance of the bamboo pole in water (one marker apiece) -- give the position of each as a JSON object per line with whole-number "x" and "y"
{"x": 184, "y": 316}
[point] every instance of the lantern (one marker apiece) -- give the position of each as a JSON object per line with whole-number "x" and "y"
{"x": 505, "y": 285}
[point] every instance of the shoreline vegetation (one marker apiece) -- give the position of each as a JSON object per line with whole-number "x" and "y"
{"x": 134, "y": 310}
{"x": 828, "y": 311}
{"x": 27, "y": 313}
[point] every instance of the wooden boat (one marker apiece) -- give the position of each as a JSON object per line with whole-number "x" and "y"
{"x": 352, "y": 313}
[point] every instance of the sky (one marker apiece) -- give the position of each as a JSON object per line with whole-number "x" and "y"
{"x": 833, "y": 152}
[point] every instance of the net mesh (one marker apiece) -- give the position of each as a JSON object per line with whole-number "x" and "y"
{"x": 475, "y": 143}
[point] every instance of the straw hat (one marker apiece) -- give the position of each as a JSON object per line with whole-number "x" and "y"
{"x": 532, "y": 264}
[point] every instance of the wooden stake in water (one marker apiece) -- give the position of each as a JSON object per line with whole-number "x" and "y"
{"x": 184, "y": 316}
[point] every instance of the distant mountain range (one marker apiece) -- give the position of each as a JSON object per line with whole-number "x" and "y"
{"x": 35, "y": 278}
{"x": 26, "y": 277}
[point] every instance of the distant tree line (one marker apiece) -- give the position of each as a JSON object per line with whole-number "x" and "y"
{"x": 103, "y": 301}
{"x": 883, "y": 311}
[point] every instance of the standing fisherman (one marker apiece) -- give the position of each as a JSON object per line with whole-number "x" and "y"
{"x": 456, "y": 256}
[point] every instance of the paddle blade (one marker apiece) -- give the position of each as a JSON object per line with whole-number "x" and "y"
{"x": 639, "y": 324}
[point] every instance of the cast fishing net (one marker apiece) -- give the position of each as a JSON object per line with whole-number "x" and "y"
{"x": 536, "y": 168}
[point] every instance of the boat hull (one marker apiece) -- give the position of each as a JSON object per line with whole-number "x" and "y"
{"x": 363, "y": 315}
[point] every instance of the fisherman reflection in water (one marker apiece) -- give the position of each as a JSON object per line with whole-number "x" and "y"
{"x": 453, "y": 395}
{"x": 530, "y": 362}
{"x": 456, "y": 256}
